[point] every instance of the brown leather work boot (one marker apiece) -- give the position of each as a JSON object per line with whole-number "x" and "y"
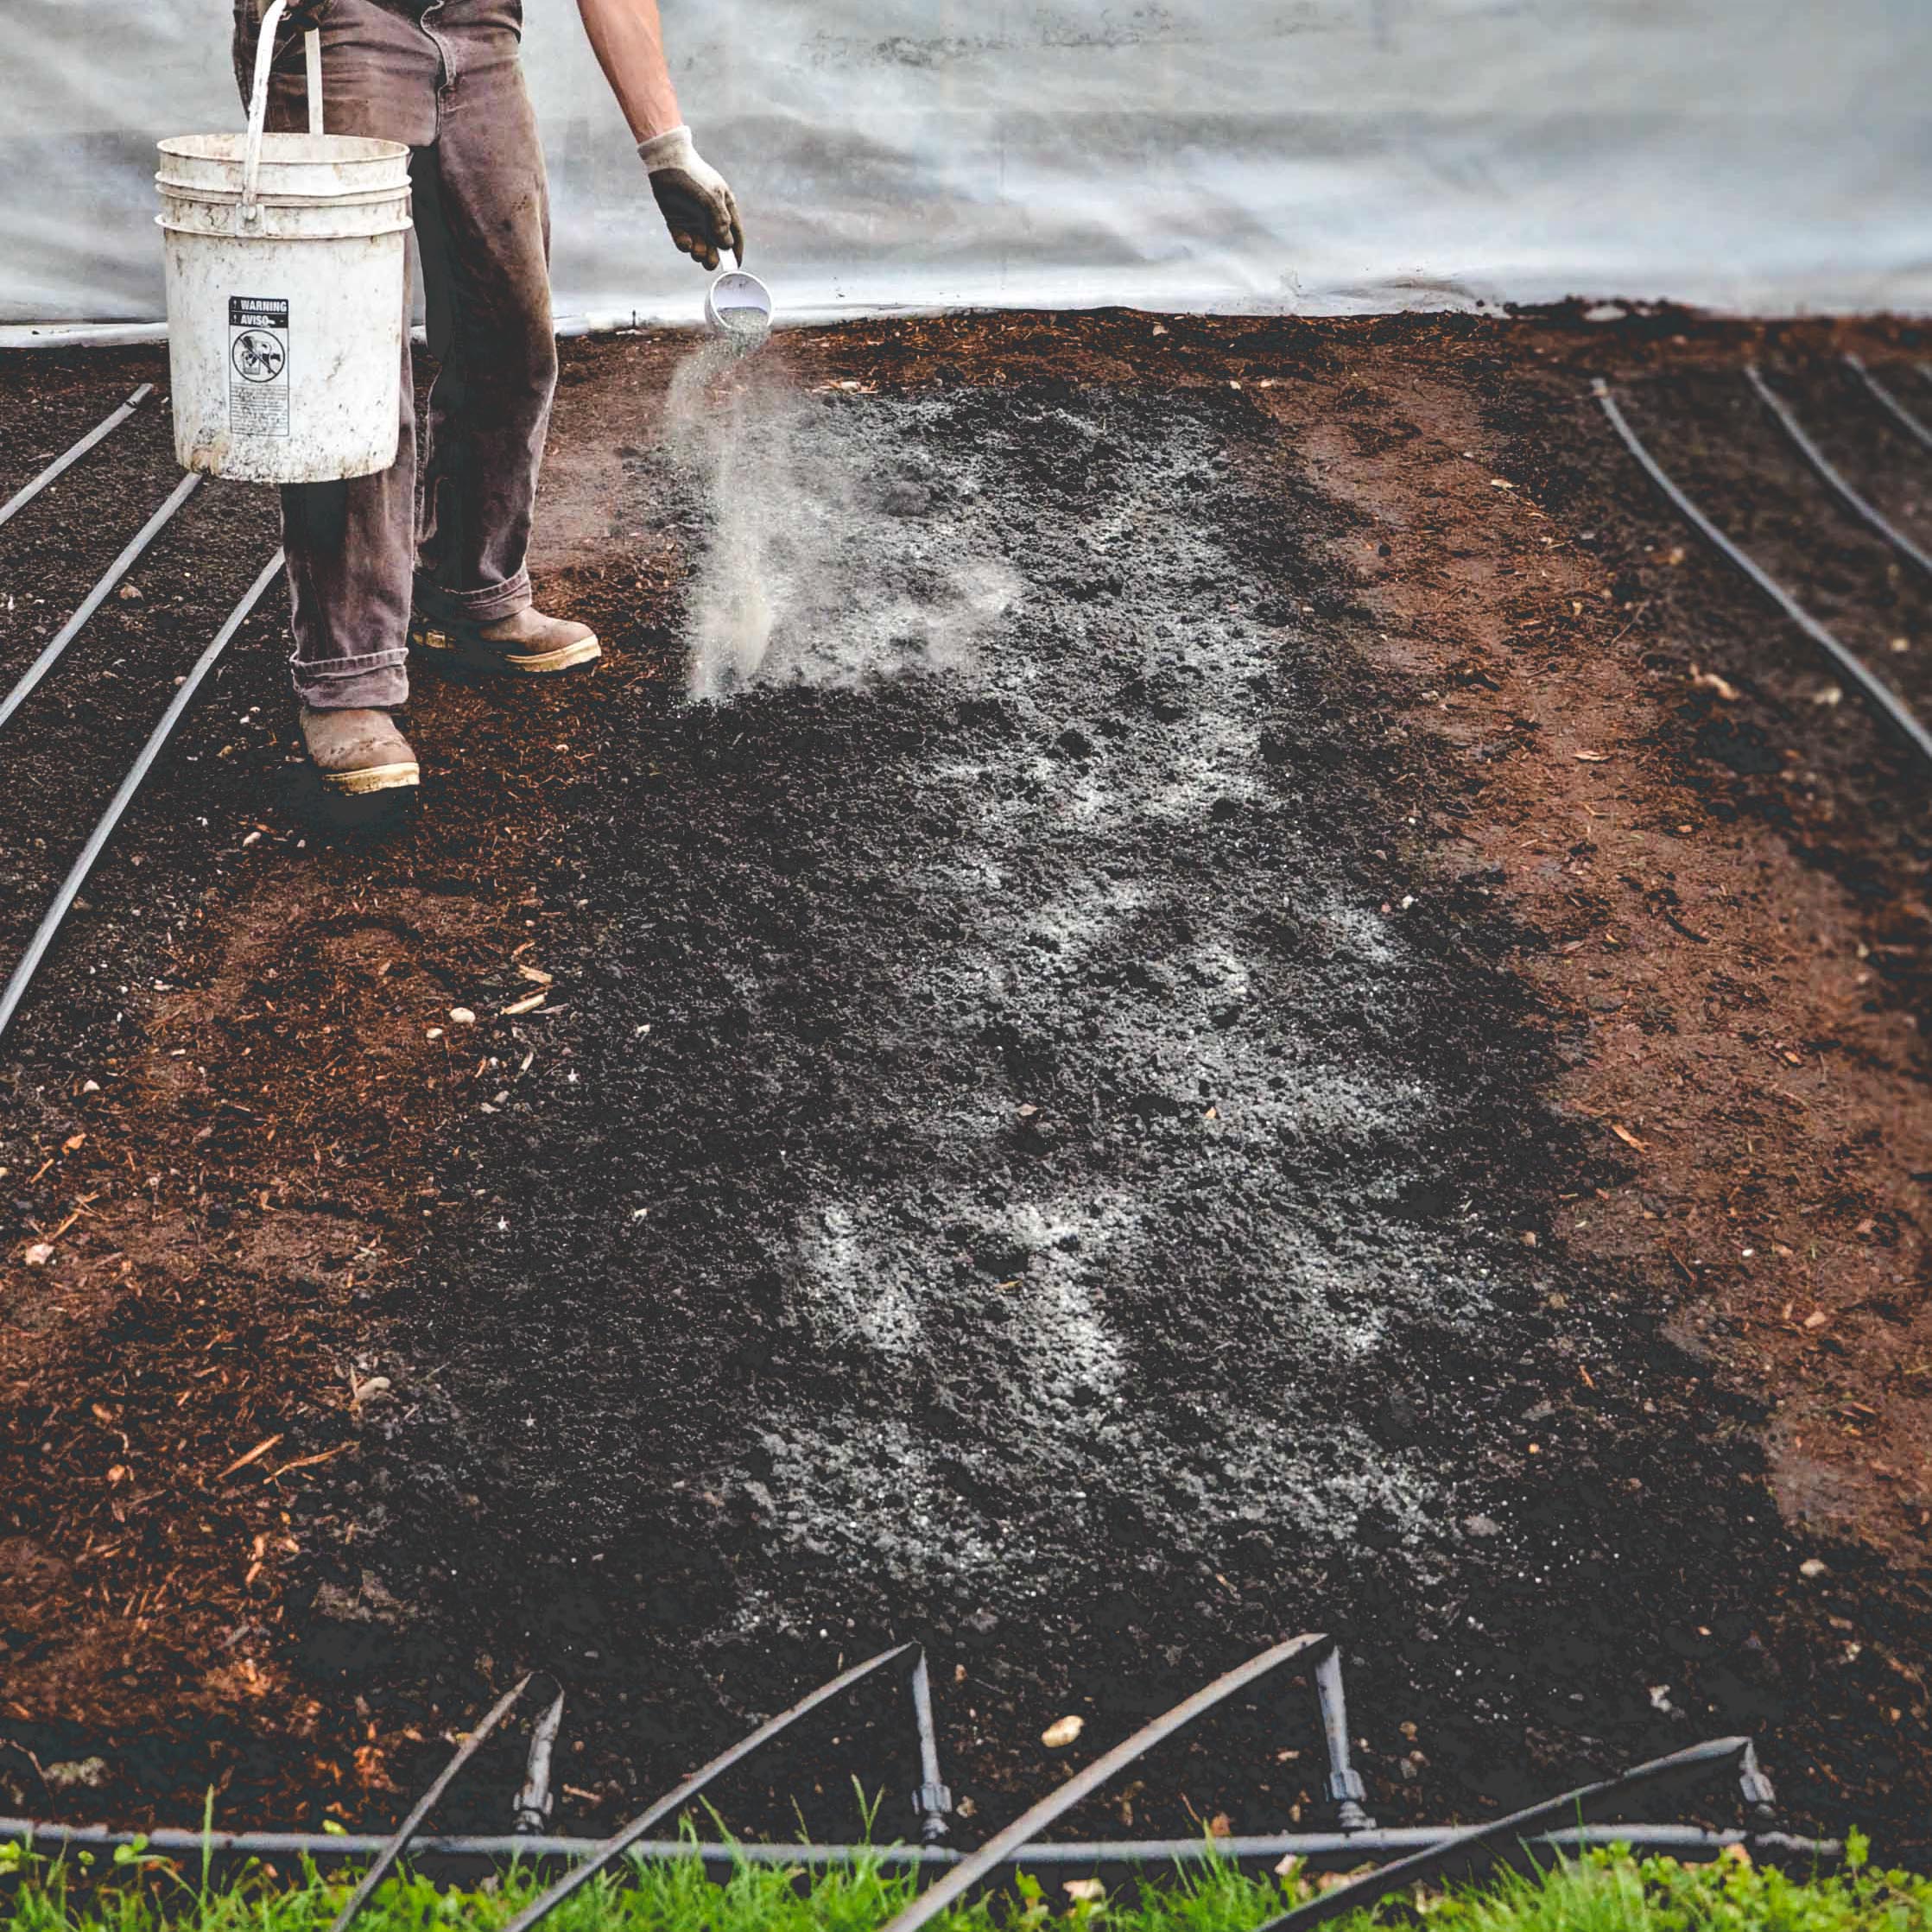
{"x": 357, "y": 752}
{"x": 527, "y": 644}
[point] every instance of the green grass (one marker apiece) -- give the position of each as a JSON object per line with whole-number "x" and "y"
{"x": 1605, "y": 1892}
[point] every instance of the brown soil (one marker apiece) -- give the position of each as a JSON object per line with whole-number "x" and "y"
{"x": 225, "y": 1107}
{"x": 1738, "y": 967}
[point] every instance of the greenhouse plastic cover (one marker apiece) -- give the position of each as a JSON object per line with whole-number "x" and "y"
{"x": 1268, "y": 155}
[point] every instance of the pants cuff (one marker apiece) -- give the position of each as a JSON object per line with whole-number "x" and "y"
{"x": 378, "y": 683}
{"x": 487, "y": 605}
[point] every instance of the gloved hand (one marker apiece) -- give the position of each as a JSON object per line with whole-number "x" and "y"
{"x": 692, "y": 194}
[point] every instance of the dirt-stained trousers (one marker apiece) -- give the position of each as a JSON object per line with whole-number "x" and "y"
{"x": 445, "y": 77}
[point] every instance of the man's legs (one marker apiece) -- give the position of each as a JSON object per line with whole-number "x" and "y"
{"x": 443, "y": 77}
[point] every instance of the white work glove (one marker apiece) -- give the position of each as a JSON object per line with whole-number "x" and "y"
{"x": 692, "y": 194}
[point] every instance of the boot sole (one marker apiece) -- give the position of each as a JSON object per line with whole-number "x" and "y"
{"x": 372, "y": 778}
{"x": 452, "y": 646}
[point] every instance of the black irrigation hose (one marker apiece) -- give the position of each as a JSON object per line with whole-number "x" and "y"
{"x": 1015, "y": 1849}
{"x": 61, "y": 465}
{"x": 1879, "y": 696}
{"x": 15, "y": 988}
{"x": 333, "y": 1848}
{"x": 1005, "y": 1847}
{"x": 1571, "y": 1806}
{"x": 98, "y": 596}
{"x": 1867, "y": 512}
{"x": 1892, "y": 407}
{"x": 674, "y": 1801}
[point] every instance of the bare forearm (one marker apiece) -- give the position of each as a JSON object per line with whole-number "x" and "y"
{"x": 629, "y": 40}
{"x": 696, "y": 202}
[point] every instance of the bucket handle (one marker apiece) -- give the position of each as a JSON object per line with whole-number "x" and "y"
{"x": 258, "y": 104}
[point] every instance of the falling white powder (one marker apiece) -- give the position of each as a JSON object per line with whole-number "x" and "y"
{"x": 818, "y": 564}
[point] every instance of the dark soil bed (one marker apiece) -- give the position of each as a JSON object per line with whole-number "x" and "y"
{"x": 1186, "y": 1060}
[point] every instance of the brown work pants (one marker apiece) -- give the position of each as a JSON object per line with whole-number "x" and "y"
{"x": 444, "y": 76}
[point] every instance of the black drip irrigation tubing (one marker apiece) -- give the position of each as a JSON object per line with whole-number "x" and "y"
{"x": 1557, "y": 1825}
{"x": 98, "y": 596}
{"x": 62, "y": 464}
{"x": 1878, "y": 695}
{"x": 37, "y": 948}
{"x": 1835, "y": 478}
{"x": 1892, "y": 407}
{"x": 333, "y": 1848}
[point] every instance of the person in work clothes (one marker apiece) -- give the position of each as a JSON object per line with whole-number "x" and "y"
{"x": 370, "y": 578}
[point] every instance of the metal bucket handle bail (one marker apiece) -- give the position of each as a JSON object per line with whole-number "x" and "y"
{"x": 258, "y": 104}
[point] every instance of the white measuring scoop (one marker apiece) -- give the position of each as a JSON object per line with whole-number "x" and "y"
{"x": 738, "y": 306}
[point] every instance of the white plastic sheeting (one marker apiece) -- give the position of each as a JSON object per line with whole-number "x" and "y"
{"x": 1319, "y": 156}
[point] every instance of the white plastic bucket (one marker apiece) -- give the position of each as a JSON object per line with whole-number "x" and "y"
{"x": 286, "y": 272}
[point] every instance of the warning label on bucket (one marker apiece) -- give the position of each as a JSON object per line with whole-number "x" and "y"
{"x": 258, "y": 365}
